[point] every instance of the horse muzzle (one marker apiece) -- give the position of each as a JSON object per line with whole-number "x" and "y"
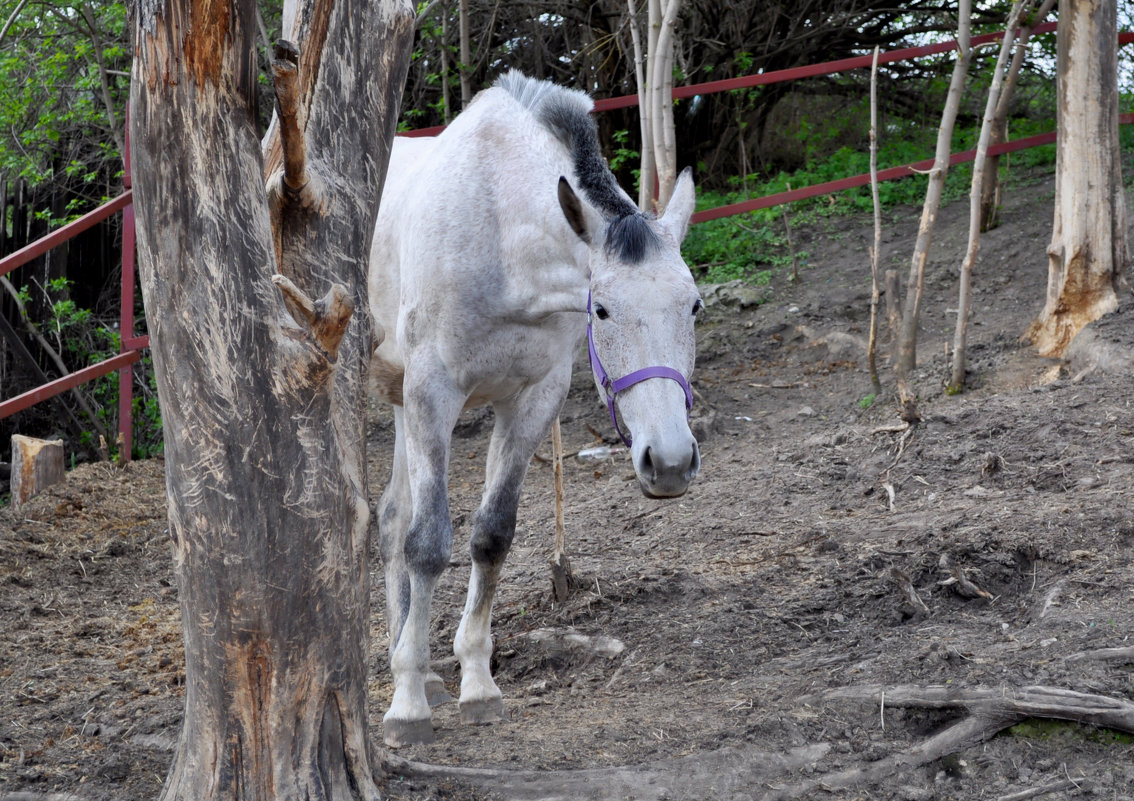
{"x": 665, "y": 470}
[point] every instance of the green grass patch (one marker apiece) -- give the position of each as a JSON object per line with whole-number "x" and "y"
{"x": 754, "y": 246}
{"x": 1048, "y": 730}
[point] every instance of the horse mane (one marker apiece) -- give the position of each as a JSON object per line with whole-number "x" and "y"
{"x": 567, "y": 114}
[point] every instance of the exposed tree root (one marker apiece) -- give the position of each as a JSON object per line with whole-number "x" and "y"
{"x": 1104, "y": 655}
{"x": 725, "y": 773}
{"x": 991, "y": 711}
{"x": 995, "y": 702}
{"x": 763, "y": 775}
{"x": 1036, "y": 792}
{"x": 959, "y": 736}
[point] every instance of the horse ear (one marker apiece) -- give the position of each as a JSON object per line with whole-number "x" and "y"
{"x": 573, "y": 210}
{"x": 680, "y": 206}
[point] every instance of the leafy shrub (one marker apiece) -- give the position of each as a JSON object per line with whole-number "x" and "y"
{"x": 83, "y": 339}
{"x": 753, "y": 246}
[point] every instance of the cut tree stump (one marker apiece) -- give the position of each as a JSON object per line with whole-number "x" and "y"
{"x": 36, "y": 465}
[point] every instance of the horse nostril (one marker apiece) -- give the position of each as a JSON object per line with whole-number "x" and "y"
{"x": 694, "y": 462}
{"x": 648, "y": 465}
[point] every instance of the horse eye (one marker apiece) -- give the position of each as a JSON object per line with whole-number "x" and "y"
{"x": 600, "y": 312}
{"x": 698, "y": 306}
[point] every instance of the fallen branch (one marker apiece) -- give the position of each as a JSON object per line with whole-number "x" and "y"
{"x": 959, "y": 580}
{"x": 1104, "y": 655}
{"x": 1035, "y": 792}
{"x": 1015, "y": 703}
{"x": 991, "y": 711}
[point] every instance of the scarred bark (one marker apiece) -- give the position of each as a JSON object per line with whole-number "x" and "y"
{"x": 1088, "y": 247}
{"x": 263, "y": 409}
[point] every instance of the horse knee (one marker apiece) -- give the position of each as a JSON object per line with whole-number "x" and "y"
{"x": 427, "y": 547}
{"x": 492, "y": 535}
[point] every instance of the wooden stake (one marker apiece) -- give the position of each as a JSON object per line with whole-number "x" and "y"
{"x": 790, "y": 244}
{"x": 561, "y": 578}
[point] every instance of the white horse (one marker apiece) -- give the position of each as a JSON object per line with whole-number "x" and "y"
{"x": 484, "y": 267}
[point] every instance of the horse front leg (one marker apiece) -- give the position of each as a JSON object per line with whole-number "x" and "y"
{"x": 521, "y": 424}
{"x": 394, "y": 513}
{"x": 424, "y": 555}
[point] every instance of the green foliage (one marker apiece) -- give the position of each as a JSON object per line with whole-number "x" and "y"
{"x": 426, "y": 62}
{"x": 81, "y": 339}
{"x": 866, "y": 401}
{"x": 622, "y": 155}
{"x": 753, "y": 246}
{"x": 55, "y": 125}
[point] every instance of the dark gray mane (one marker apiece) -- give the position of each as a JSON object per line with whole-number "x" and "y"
{"x": 566, "y": 113}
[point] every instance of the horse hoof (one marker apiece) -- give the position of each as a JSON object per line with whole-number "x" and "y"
{"x": 490, "y": 710}
{"x": 436, "y": 693}
{"x": 400, "y": 733}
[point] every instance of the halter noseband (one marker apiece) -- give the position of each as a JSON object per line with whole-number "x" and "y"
{"x": 614, "y": 386}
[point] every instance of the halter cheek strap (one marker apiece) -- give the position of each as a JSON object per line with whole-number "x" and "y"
{"x": 614, "y": 386}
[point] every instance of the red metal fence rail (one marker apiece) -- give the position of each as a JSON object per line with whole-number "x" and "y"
{"x": 128, "y": 355}
{"x": 132, "y": 345}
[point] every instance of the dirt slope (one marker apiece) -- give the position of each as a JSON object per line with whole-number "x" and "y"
{"x": 788, "y": 571}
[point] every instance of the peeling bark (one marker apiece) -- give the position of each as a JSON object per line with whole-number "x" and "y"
{"x": 1088, "y": 247}
{"x": 262, "y": 389}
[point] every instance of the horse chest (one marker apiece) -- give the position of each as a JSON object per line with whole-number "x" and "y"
{"x": 502, "y": 361}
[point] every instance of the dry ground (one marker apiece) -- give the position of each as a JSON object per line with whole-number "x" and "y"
{"x": 756, "y": 623}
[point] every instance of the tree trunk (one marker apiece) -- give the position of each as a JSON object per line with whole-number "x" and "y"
{"x": 990, "y": 182}
{"x": 907, "y": 339}
{"x": 653, "y": 72}
{"x": 1088, "y": 241}
{"x": 876, "y": 249}
{"x": 647, "y": 175}
{"x": 965, "y": 294}
{"x": 466, "y": 56}
{"x": 663, "y": 20}
{"x": 263, "y": 416}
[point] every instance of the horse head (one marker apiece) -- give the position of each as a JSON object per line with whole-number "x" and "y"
{"x": 643, "y": 303}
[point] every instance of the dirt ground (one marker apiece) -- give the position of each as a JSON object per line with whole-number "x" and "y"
{"x": 788, "y": 622}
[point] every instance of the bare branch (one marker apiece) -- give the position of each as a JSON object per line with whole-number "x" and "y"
{"x": 285, "y": 75}
{"x": 327, "y": 318}
{"x": 876, "y": 250}
{"x": 103, "y": 76}
{"x": 12, "y": 18}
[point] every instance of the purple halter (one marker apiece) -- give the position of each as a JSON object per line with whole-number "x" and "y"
{"x": 614, "y": 386}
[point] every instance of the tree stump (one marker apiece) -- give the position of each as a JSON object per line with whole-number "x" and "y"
{"x": 36, "y": 465}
